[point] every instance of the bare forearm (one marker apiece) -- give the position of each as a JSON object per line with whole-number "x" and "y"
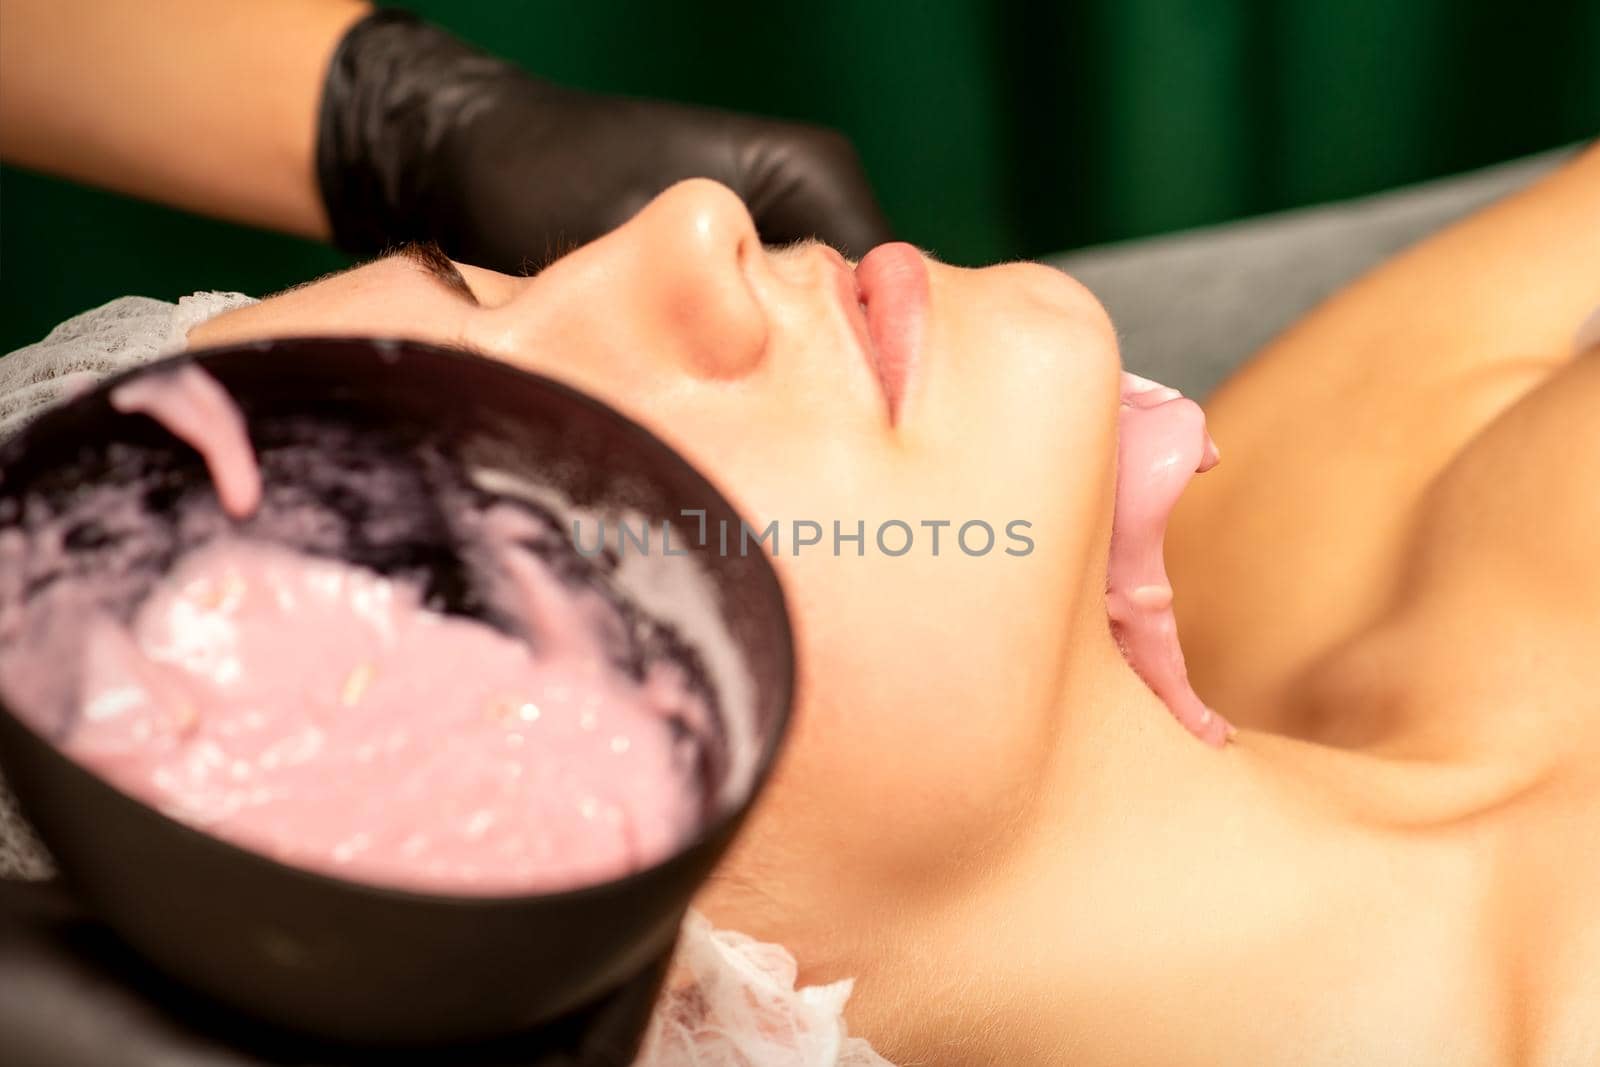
{"x": 207, "y": 106}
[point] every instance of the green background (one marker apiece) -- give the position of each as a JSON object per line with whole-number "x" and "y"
{"x": 991, "y": 130}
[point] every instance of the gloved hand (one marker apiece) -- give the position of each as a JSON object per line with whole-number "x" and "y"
{"x": 424, "y": 138}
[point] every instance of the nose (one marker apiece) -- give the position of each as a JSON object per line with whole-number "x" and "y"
{"x": 689, "y": 253}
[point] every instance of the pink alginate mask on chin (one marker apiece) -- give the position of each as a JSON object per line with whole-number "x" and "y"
{"x": 1162, "y": 444}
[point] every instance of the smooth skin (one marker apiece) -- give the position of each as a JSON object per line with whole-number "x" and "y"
{"x": 206, "y": 106}
{"x": 1389, "y": 583}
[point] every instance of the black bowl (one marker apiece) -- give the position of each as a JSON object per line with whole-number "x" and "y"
{"x": 338, "y": 959}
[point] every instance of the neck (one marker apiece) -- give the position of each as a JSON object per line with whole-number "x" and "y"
{"x": 1128, "y": 807}
{"x": 1150, "y": 865}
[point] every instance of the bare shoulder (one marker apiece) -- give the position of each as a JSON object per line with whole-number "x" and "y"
{"x": 1334, "y": 434}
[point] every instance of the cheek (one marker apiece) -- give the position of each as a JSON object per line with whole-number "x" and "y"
{"x": 928, "y": 692}
{"x": 1035, "y": 438}
{"x": 932, "y": 683}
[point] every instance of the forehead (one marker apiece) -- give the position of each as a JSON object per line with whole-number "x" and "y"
{"x": 374, "y": 277}
{"x": 393, "y": 296}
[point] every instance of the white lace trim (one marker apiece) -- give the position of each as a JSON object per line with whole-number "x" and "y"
{"x": 731, "y": 1001}
{"x": 96, "y": 344}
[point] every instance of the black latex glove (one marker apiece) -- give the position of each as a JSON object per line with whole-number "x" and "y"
{"x": 424, "y": 138}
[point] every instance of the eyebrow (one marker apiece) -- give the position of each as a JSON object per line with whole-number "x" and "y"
{"x": 431, "y": 258}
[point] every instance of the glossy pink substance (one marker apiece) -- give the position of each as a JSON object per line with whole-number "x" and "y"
{"x": 319, "y": 713}
{"x": 1162, "y": 443}
{"x": 192, "y": 407}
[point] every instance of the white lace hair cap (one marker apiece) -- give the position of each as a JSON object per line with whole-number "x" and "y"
{"x": 96, "y": 344}
{"x": 729, "y": 1000}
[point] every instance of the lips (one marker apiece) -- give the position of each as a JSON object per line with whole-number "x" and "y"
{"x": 892, "y": 287}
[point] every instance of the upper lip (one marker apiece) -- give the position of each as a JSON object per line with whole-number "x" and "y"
{"x": 855, "y": 312}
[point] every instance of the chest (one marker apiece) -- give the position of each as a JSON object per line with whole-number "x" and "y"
{"x": 1479, "y": 499}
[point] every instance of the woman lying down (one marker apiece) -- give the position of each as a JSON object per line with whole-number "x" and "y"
{"x": 1390, "y": 588}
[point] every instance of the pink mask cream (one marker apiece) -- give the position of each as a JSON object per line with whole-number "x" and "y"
{"x": 326, "y": 715}
{"x": 1162, "y": 444}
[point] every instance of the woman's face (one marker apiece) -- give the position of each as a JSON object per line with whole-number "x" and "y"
{"x": 928, "y": 679}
